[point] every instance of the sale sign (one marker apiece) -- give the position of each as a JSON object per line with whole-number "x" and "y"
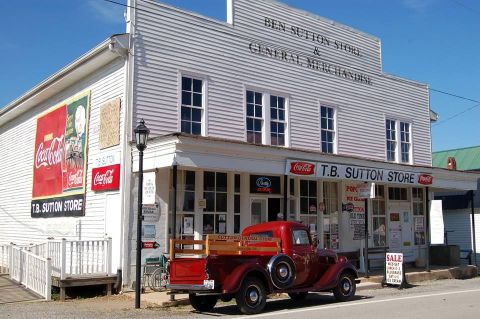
{"x": 60, "y": 159}
{"x": 394, "y": 268}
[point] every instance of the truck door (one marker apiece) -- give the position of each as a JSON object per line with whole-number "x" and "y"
{"x": 303, "y": 254}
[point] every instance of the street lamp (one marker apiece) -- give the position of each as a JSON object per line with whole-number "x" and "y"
{"x": 141, "y": 136}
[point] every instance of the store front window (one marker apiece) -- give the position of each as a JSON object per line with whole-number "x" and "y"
{"x": 215, "y": 194}
{"x": 418, "y": 202}
{"x": 330, "y": 215}
{"x": 185, "y": 220}
{"x": 309, "y": 204}
{"x": 379, "y": 217}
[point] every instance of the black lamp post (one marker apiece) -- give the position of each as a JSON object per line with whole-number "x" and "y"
{"x": 141, "y": 136}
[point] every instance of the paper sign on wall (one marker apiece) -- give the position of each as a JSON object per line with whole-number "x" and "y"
{"x": 149, "y": 188}
{"x": 436, "y": 223}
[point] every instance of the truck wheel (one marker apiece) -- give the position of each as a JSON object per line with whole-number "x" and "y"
{"x": 203, "y": 303}
{"x": 282, "y": 271}
{"x": 345, "y": 289}
{"x": 298, "y": 295}
{"x": 251, "y": 298}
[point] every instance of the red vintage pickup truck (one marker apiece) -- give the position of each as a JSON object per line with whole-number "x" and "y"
{"x": 273, "y": 257}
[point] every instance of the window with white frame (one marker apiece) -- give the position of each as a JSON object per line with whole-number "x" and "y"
{"x": 391, "y": 135}
{"x": 215, "y": 194}
{"x": 418, "y": 201}
{"x": 379, "y": 217}
{"x": 254, "y": 117}
{"x": 192, "y": 106}
{"x": 398, "y": 136}
{"x": 405, "y": 142}
{"x": 330, "y": 215}
{"x": 266, "y": 118}
{"x": 277, "y": 120}
{"x": 327, "y": 127}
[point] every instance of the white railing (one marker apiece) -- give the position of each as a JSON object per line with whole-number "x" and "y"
{"x": 33, "y": 271}
{"x": 4, "y": 259}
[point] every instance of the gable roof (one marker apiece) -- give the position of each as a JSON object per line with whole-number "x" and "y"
{"x": 467, "y": 158}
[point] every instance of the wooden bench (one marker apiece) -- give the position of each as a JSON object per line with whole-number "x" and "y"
{"x": 63, "y": 284}
{"x": 375, "y": 253}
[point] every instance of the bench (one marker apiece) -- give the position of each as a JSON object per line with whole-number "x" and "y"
{"x": 466, "y": 254}
{"x": 376, "y": 253}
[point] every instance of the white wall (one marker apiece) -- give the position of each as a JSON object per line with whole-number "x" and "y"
{"x": 17, "y": 141}
{"x": 170, "y": 42}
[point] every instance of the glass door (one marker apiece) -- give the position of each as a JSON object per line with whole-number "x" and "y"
{"x": 258, "y": 208}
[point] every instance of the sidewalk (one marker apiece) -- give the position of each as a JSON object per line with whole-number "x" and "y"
{"x": 374, "y": 280}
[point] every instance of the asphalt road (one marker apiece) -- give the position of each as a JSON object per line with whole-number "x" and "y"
{"x": 438, "y": 300}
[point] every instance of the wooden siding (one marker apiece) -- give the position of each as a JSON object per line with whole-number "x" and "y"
{"x": 17, "y": 140}
{"x": 169, "y": 42}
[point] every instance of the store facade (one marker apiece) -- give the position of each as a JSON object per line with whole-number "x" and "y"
{"x": 273, "y": 114}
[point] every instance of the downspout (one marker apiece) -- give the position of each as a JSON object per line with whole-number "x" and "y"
{"x": 474, "y": 244}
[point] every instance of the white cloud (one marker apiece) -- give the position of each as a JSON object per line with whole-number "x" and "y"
{"x": 106, "y": 11}
{"x": 418, "y": 6}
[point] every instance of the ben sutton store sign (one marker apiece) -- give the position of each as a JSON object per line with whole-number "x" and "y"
{"x": 356, "y": 173}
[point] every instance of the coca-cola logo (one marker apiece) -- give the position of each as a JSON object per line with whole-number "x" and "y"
{"x": 75, "y": 179}
{"x": 103, "y": 179}
{"x": 52, "y": 155}
{"x": 264, "y": 182}
{"x": 302, "y": 168}
{"x": 425, "y": 179}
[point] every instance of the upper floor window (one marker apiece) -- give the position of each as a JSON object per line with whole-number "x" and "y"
{"x": 398, "y": 141}
{"x": 277, "y": 120}
{"x": 192, "y": 106}
{"x": 391, "y": 135}
{"x": 405, "y": 142}
{"x": 266, "y": 118}
{"x": 254, "y": 117}
{"x": 327, "y": 127}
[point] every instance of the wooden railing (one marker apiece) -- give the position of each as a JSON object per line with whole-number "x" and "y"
{"x": 32, "y": 271}
{"x": 4, "y": 259}
{"x": 225, "y": 245}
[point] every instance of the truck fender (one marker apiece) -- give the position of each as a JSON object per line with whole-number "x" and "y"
{"x": 330, "y": 278}
{"x": 234, "y": 281}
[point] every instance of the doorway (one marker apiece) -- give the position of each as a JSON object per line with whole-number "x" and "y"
{"x": 400, "y": 229}
{"x": 274, "y": 210}
{"x": 265, "y": 209}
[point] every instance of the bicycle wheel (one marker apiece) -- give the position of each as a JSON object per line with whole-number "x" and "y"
{"x": 158, "y": 279}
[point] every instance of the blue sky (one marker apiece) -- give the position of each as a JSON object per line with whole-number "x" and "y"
{"x": 429, "y": 41}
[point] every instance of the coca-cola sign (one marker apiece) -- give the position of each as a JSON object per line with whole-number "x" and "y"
{"x": 302, "y": 168}
{"x": 106, "y": 178}
{"x": 425, "y": 179}
{"x": 60, "y": 159}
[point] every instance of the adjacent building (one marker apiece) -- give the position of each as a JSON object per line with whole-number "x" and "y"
{"x": 274, "y": 114}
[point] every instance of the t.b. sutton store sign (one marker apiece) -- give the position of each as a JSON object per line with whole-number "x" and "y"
{"x": 60, "y": 159}
{"x": 356, "y": 173}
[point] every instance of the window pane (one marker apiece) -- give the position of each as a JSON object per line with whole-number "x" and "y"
{"x": 186, "y": 84}
{"x": 236, "y": 224}
{"x": 273, "y": 127}
{"x": 196, "y": 128}
{"x": 273, "y": 101}
{"x": 258, "y": 138}
{"x": 250, "y": 137}
{"x": 312, "y": 188}
{"x": 189, "y": 201}
{"x": 209, "y": 181}
{"x": 221, "y": 182}
{"x": 221, "y": 224}
{"x": 323, "y": 112}
{"x": 249, "y": 124}
{"x": 258, "y": 111}
{"x": 197, "y": 86}
{"x": 281, "y": 139}
{"x": 186, "y": 127}
{"x": 196, "y": 115}
{"x": 258, "y": 125}
{"x": 249, "y": 97}
{"x": 281, "y": 115}
{"x": 303, "y": 205}
{"x": 250, "y": 110}
{"x": 281, "y": 128}
{"x": 237, "y": 183}
{"x": 221, "y": 202}
{"x": 190, "y": 181}
{"x": 258, "y": 98}
{"x": 303, "y": 188}
{"x": 186, "y": 116}
{"x": 236, "y": 204}
{"x": 197, "y": 99}
{"x": 208, "y": 223}
{"x": 292, "y": 186}
{"x": 273, "y": 113}
{"x": 312, "y": 206}
{"x": 273, "y": 139}
{"x": 186, "y": 98}
{"x": 210, "y": 199}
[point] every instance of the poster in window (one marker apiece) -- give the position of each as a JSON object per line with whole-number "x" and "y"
{"x": 59, "y": 165}
{"x": 419, "y": 224}
{"x": 188, "y": 225}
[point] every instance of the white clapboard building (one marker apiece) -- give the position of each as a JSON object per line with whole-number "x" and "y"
{"x": 275, "y": 113}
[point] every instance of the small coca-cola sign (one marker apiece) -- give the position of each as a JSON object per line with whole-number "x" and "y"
{"x": 106, "y": 178}
{"x": 425, "y": 179}
{"x": 302, "y": 168}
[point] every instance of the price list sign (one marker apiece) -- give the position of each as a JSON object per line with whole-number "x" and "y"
{"x": 394, "y": 268}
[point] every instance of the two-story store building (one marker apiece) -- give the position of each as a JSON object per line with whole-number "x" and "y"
{"x": 274, "y": 114}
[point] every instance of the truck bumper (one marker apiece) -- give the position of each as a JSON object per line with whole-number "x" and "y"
{"x": 180, "y": 287}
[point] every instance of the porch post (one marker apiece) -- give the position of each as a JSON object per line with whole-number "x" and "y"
{"x": 472, "y": 202}
{"x": 174, "y": 212}
{"x": 365, "y": 255}
{"x": 285, "y": 198}
{"x": 427, "y": 228}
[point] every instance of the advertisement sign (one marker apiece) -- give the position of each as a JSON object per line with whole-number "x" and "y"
{"x": 354, "y": 208}
{"x": 356, "y": 173}
{"x": 436, "y": 223}
{"x": 394, "y": 268}
{"x": 149, "y": 188}
{"x": 106, "y": 178}
{"x": 59, "y": 168}
{"x": 264, "y": 184}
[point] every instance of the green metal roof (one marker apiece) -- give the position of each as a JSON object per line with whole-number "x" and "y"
{"x": 467, "y": 158}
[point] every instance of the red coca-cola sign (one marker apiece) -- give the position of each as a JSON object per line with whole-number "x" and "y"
{"x": 302, "y": 168}
{"x": 425, "y": 179}
{"x": 106, "y": 178}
